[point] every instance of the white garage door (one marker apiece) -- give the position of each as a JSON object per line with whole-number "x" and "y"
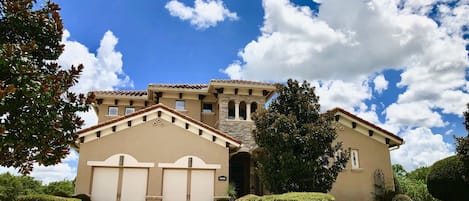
{"x": 104, "y": 187}
{"x": 175, "y": 185}
{"x": 134, "y": 184}
{"x": 202, "y": 185}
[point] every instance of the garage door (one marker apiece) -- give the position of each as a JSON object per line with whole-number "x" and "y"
{"x": 104, "y": 184}
{"x": 134, "y": 184}
{"x": 175, "y": 186}
{"x": 202, "y": 185}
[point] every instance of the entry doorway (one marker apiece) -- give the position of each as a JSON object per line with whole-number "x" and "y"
{"x": 240, "y": 172}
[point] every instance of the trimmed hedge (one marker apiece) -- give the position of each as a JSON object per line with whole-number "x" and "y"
{"x": 401, "y": 197}
{"x": 290, "y": 196}
{"x": 42, "y": 197}
{"x": 445, "y": 180}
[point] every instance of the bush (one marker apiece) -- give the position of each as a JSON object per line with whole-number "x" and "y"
{"x": 42, "y": 197}
{"x": 290, "y": 196}
{"x": 445, "y": 180}
{"x": 401, "y": 197}
{"x": 60, "y": 188}
{"x": 82, "y": 197}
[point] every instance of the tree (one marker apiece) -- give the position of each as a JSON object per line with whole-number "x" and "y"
{"x": 11, "y": 186}
{"x": 38, "y": 119}
{"x": 462, "y": 146}
{"x": 296, "y": 151}
{"x": 412, "y": 184}
{"x": 445, "y": 180}
{"x": 60, "y": 188}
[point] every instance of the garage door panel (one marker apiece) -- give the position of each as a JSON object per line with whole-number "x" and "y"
{"x": 175, "y": 185}
{"x": 134, "y": 184}
{"x": 104, "y": 186}
{"x": 202, "y": 185}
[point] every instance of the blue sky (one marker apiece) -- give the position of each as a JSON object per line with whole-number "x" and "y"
{"x": 401, "y": 64}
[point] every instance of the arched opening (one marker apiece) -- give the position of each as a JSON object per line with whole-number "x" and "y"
{"x": 231, "y": 109}
{"x": 253, "y": 107}
{"x": 240, "y": 164}
{"x": 242, "y": 110}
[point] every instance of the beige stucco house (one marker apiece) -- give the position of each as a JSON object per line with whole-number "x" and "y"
{"x": 179, "y": 142}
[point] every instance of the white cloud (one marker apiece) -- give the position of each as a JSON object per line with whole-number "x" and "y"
{"x": 381, "y": 83}
{"x": 414, "y": 114}
{"x": 338, "y": 93}
{"x": 421, "y": 148}
{"x": 204, "y": 14}
{"x": 59, "y": 172}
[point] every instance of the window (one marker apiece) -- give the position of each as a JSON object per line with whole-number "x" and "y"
{"x": 129, "y": 110}
{"x": 253, "y": 107}
{"x": 180, "y": 105}
{"x": 207, "y": 107}
{"x": 354, "y": 159}
{"x": 231, "y": 110}
{"x": 242, "y": 110}
{"x": 113, "y": 111}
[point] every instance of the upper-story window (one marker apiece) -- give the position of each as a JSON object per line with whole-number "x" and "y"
{"x": 242, "y": 110}
{"x": 231, "y": 110}
{"x": 129, "y": 110}
{"x": 113, "y": 111}
{"x": 180, "y": 105}
{"x": 354, "y": 159}
{"x": 253, "y": 107}
{"x": 207, "y": 107}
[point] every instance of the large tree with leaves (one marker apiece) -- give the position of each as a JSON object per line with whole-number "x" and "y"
{"x": 462, "y": 146}
{"x": 296, "y": 142}
{"x": 38, "y": 119}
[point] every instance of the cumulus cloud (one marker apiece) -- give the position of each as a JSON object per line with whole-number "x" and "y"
{"x": 381, "y": 83}
{"x": 342, "y": 53}
{"x": 421, "y": 148}
{"x": 204, "y": 14}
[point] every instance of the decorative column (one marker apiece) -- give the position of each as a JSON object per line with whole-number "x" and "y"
{"x": 236, "y": 111}
{"x": 248, "y": 111}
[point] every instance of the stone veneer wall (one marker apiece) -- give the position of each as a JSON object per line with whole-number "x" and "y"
{"x": 240, "y": 129}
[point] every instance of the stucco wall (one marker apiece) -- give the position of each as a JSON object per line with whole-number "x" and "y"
{"x": 358, "y": 184}
{"x": 150, "y": 143}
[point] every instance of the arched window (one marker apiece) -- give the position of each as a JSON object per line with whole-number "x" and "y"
{"x": 242, "y": 110}
{"x": 253, "y": 107}
{"x": 231, "y": 110}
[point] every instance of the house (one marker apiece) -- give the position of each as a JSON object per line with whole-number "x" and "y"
{"x": 188, "y": 141}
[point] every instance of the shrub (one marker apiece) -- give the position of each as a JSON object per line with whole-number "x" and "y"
{"x": 290, "y": 196}
{"x": 401, "y": 197}
{"x": 82, "y": 197}
{"x": 445, "y": 180}
{"x": 60, "y": 188}
{"x": 42, "y": 197}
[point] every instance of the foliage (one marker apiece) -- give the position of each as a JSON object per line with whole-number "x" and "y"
{"x": 11, "y": 186}
{"x": 290, "y": 196}
{"x": 60, "y": 188}
{"x": 445, "y": 180}
{"x": 38, "y": 119}
{"x": 401, "y": 197}
{"x": 412, "y": 184}
{"x": 231, "y": 191}
{"x": 82, "y": 197}
{"x": 462, "y": 146}
{"x": 295, "y": 142}
{"x": 388, "y": 195}
{"x": 41, "y": 197}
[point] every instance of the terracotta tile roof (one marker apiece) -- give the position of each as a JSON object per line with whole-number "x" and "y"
{"x": 335, "y": 110}
{"x": 122, "y": 93}
{"x": 153, "y": 107}
{"x": 181, "y": 86}
{"x": 243, "y": 82}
